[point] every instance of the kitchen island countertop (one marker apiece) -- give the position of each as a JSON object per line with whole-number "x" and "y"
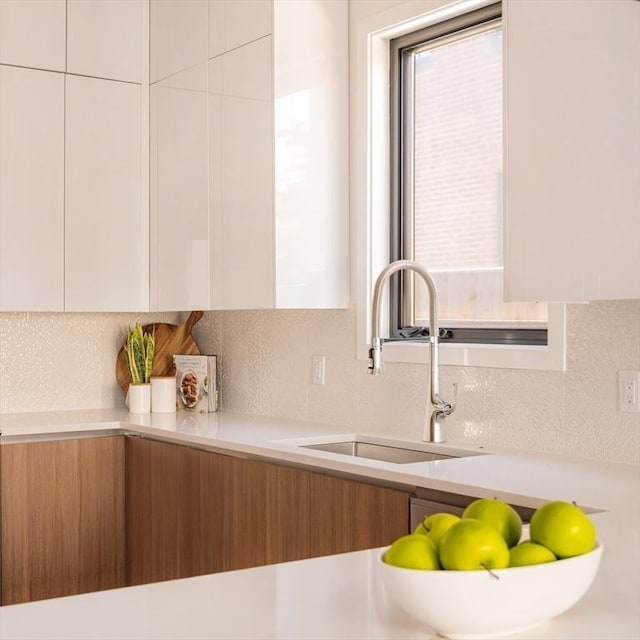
{"x": 335, "y": 597}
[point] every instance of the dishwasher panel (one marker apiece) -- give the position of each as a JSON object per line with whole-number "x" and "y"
{"x": 419, "y": 509}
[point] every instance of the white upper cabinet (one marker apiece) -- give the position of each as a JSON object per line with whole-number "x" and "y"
{"x": 311, "y": 129}
{"x": 106, "y": 221}
{"x": 268, "y": 227}
{"x": 31, "y": 190}
{"x": 241, "y": 172}
{"x": 74, "y": 229}
{"x": 32, "y": 33}
{"x": 233, "y": 23}
{"x": 179, "y": 220}
{"x": 278, "y": 127}
{"x": 104, "y": 38}
{"x": 247, "y": 183}
{"x": 179, "y": 36}
{"x": 572, "y": 78}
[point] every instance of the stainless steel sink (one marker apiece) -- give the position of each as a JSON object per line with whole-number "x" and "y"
{"x": 383, "y": 452}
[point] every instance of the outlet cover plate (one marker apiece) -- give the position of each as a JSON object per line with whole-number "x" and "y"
{"x": 628, "y": 391}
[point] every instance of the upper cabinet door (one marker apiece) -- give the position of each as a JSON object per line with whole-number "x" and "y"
{"x": 104, "y": 39}
{"x": 106, "y": 227}
{"x": 241, "y": 174}
{"x": 233, "y": 23}
{"x": 179, "y": 36}
{"x": 278, "y": 127}
{"x": 179, "y": 219}
{"x": 572, "y": 82}
{"x": 31, "y": 190}
{"x": 311, "y": 128}
{"x": 32, "y": 33}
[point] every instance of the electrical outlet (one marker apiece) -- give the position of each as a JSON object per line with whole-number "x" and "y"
{"x": 628, "y": 386}
{"x": 317, "y": 364}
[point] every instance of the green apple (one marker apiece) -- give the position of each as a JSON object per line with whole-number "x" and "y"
{"x": 473, "y": 544}
{"x": 563, "y": 528}
{"x": 413, "y": 551}
{"x": 436, "y": 525}
{"x": 500, "y": 515}
{"x": 527, "y": 553}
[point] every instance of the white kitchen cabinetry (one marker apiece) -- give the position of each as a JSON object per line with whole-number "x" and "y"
{"x": 279, "y": 163}
{"x": 269, "y": 226}
{"x": 241, "y": 170}
{"x": 179, "y": 34}
{"x": 572, "y": 149}
{"x": 73, "y": 169}
{"x": 31, "y": 190}
{"x": 106, "y": 220}
{"x": 104, "y": 38}
{"x": 232, "y": 23}
{"x": 179, "y": 221}
{"x": 311, "y": 118}
{"x": 32, "y": 33}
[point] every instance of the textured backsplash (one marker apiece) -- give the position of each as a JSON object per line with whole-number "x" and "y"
{"x": 67, "y": 361}
{"x": 59, "y": 361}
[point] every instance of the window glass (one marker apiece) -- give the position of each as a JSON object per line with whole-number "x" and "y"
{"x": 450, "y": 215}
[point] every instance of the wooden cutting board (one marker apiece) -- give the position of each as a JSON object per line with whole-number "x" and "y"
{"x": 171, "y": 339}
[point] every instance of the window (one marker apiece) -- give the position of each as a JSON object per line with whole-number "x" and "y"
{"x": 446, "y": 191}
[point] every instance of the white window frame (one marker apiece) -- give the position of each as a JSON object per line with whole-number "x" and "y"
{"x": 370, "y": 173}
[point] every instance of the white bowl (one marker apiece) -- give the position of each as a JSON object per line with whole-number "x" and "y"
{"x": 480, "y": 604}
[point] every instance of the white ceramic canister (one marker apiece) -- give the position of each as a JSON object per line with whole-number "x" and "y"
{"x": 163, "y": 394}
{"x": 139, "y": 398}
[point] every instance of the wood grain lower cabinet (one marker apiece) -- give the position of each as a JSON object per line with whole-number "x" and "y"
{"x": 279, "y": 514}
{"x": 245, "y": 523}
{"x": 163, "y": 516}
{"x": 311, "y": 514}
{"x": 62, "y": 512}
{"x": 193, "y": 512}
{"x": 97, "y": 513}
{"x": 176, "y": 511}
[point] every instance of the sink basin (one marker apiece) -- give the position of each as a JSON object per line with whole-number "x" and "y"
{"x": 397, "y": 453}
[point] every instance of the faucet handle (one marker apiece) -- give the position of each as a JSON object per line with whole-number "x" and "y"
{"x": 434, "y": 428}
{"x": 455, "y": 398}
{"x": 447, "y": 408}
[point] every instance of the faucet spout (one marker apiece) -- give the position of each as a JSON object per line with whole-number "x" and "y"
{"x": 441, "y": 409}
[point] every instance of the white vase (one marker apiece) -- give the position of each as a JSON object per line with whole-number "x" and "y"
{"x": 163, "y": 394}
{"x": 139, "y": 398}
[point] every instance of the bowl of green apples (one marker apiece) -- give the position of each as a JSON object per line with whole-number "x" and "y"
{"x": 484, "y": 574}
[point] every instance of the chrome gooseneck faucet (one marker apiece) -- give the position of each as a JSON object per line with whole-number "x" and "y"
{"x": 441, "y": 409}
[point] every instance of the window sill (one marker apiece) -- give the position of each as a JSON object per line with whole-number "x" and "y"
{"x": 551, "y": 357}
{"x": 473, "y": 355}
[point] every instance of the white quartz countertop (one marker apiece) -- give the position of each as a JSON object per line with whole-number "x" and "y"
{"x": 336, "y": 597}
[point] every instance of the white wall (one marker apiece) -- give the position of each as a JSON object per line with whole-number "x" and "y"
{"x": 60, "y": 361}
